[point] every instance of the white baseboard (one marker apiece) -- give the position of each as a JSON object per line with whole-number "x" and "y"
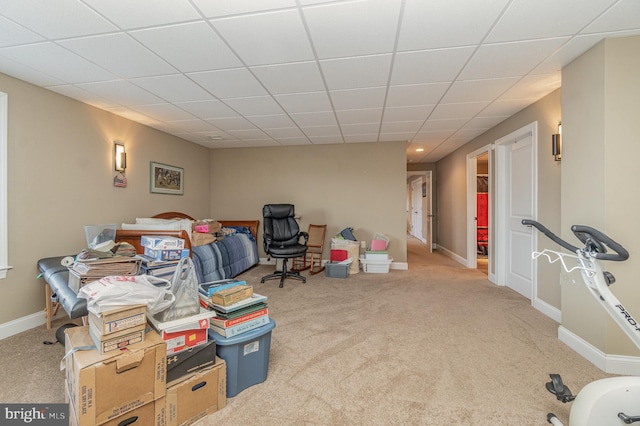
{"x": 19, "y": 325}
{"x": 547, "y": 309}
{"x": 402, "y": 266}
{"x": 613, "y": 364}
{"x": 461, "y": 260}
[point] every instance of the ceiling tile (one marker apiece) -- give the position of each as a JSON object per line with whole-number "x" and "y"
{"x": 533, "y": 86}
{"x": 624, "y": 15}
{"x": 567, "y": 53}
{"x": 13, "y": 34}
{"x": 173, "y": 88}
{"x": 290, "y": 78}
{"x": 418, "y": 112}
{"x": 192, "y": 125}
{"x": 397, "y": 136}
{"x": 267, "y": 38}
{"x": 401, "y": 126}
{"x": 315, "y": 131}
{"x": 271, "y": 121}
{"x": 362, "y": 71}
{"x": 129, "y": 14}
{"x": 314, "y": 118}
{"x": 28, "y": 74}
{"x": 446, "y": 23}
{"x": 478, "y": 90}
{"x": 364, "y": 138}
{"x": 509, "y": 59}
{"x": 484, "y": 122}
{"x": 189, "y": 47}
{"x": 258, "y": 105}
{"x": 416, "y": 94}
{"x": 360, "y": 129}
{"x": 82, "y": 95}
{"x": 231, "y": 123}
{"x": 208, "y": 109}
{"x": 304, "y": 102}
{"x": 429, "y": 66}
{"x": 326, "y": 140}
{"x": 234, "y": 7}
{"x": 526, "y": 20}
{"x": 358, "y": 98}
{"x": 163, "y": 112}
{"x": 121, "y": 92}
{"x": 501, "y": 108}
{"x": 248, "y": 134}
{"x": 236, "y": 82}
{"x": 56, "y": 19}
{"x": 59, "y": 63}
{"x": 285, "y": 132}
{"x": 460, "y": 110}
{"x": 444, "y": 124}
{"x": 120, "y": 54}
{"x": 359, "y": 116}
{"x": 336, "y": 34}
{"x": 294, "y": 141}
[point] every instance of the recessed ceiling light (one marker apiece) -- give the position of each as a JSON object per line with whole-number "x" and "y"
{"x": 419, "y": 149}
{"x": 214, "y": 138}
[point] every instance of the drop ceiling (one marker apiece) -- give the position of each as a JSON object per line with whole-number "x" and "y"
{"x": 252, "y": 73}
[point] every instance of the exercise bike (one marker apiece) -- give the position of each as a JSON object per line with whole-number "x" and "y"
{"x": 605, "y": 402}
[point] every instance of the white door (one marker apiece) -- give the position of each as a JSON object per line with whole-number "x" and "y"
{"x": 416, "y": 209}
{"x": 428, "y": 205}
{"x": 516, "y": 199}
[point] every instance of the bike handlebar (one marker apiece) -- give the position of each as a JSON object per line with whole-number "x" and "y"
{"x": 594, "y": 240}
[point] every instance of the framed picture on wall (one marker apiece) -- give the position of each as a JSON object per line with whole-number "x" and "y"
{"x": 166, "y": 179}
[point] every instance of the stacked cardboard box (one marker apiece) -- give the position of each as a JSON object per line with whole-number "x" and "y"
{"x": 118, "y": 328}
{"x": 106, "y": 389}
{"x": 130, "y": 386}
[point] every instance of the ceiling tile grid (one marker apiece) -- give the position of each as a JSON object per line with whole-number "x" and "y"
{"x": 240, "y": 74}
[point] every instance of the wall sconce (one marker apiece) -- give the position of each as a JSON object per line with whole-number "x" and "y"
{"x": 556, "y": 144}
{"x": 119, "y": 157}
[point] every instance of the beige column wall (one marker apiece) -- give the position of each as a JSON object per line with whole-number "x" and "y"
{"x": 600, "y": 172}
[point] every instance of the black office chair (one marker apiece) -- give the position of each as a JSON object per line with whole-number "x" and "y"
{"x": 282, "y": 237}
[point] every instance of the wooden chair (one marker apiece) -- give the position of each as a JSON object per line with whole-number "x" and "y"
{"x": 313, "y": 259}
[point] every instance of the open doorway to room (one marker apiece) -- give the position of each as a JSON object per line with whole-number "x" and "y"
{"x": 419, "y": 209}
{"x": 478, "y": 214}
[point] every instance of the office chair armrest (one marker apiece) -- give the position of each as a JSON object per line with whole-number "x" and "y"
{"x": 305, "y": 235}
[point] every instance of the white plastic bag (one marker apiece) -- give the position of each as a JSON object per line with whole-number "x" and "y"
{"x": 184, "y": 286}
{"x": 114, "y": 291}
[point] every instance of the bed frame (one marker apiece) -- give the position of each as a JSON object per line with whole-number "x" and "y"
{"x": 133, "y": 236}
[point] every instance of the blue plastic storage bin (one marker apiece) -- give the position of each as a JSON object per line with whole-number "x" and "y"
{"x": 246, "y": 355}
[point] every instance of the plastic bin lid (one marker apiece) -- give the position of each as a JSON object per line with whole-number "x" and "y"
{"x": 241, "y": 338}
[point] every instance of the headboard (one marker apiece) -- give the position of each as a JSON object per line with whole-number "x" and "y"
{"x": 133, "y": 236}
{"x": 251, "y": 224}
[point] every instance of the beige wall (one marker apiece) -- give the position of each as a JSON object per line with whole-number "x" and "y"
{"x": 61, "y": 178}
{"x": 452, "y": 188}
{"x": 357, "y": 185}
{"x": 600, "y": 166}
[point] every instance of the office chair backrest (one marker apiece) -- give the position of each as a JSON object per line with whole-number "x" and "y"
{"x": 280, "y": 225}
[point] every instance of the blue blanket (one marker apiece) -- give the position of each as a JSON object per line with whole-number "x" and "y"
{"x": 226, "y": 258}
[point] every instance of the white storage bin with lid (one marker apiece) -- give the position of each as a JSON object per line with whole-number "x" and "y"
{"x": 375, "y": 266}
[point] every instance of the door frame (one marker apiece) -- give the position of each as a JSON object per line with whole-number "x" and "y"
{"x": 472, "y": 171}
{"x": 501, "y": 233}
{"x": 416, "y": 189}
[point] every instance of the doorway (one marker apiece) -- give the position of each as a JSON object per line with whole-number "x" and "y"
{"x": 420, "y": 216}
{"x": 479, "y": 219}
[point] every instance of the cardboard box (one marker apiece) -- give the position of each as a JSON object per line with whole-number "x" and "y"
{"x": 190, "y": 361}
{"x": 156, "y": 242}
{"x": 197, "y": 395}
{"x": 231, "y": 295}
{"x": 150, "y": 414}
{"x": 119, "y": 319}
{"x": 103, "y": 387}
{"x": 166, "y": 255}
{"x": 116, "y": 341}
{"x": 183, "y": 333}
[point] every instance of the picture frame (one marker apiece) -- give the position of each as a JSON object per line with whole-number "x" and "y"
{"x": 166, "y": 179}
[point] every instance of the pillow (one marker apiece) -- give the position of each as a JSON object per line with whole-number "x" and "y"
{"x": 242, "y": 230}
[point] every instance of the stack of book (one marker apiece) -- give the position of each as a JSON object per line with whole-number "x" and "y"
{"x": 118, "y": 328}
{"x": 238, "y": 309}
{"x": 157, "y": 268}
